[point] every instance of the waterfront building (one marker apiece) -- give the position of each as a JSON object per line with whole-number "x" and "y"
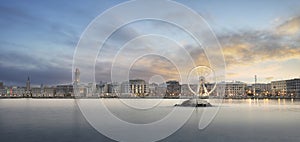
{"x": 138, "y": 87}
{"x": 76, "y": 86}
{"x": 114, "y": 88}
{"x": 279, "y": 88}
{"x": 91, "y": 90}
{"x": 293, "y": 87}
{"x": 20, "y": 91}
{"x": 101, "y": 88}
{"x": 64, "y": 91}
{"x": 15, "y": 91}
{"x": 43, "y": 91}
{"x": 36, "y": 92}
{"x": 125, "y": 89}
{"x": 76, "y": 76}
{"x": 235, "y": 88}
{"x": 262, "y": 88}
{"x": 173, "y": 89}
{"x": 161, "y": 89}
{"x": 2, "y": 92}
{"x": 49, "y": 91}
{"x": 153, "y": 89}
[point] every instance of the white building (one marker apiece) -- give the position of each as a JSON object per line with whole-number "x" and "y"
{"x": 36, "y": 92}
{"x": 235, "y": 88}
{"x": 138, "y": 87}
{"x": 279, "y": 88}
{"x": 49, "y": 91}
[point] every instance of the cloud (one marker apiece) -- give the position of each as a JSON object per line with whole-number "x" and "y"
{"x": 251, "y": 47}
{"x": 270, "y": 78}
{"x": 290, "y": 27}
{"x": 262, "y": 52}
{"x": 48, "y": 67}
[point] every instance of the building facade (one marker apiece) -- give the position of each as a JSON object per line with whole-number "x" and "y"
{"x": 36, "y": 92}
{"x": 28, "y": 89}
{"x": 293, "y": 87}
{"x": 173, "y": 89}
{"x": 279, "y": 88}
{"x": 235, "y": 88}
{"x": 64, "y": 91}
{"x": 262, "y": 88}
{"x": 138, "y": 87}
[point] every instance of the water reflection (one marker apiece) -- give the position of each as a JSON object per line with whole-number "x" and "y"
{"x": 253, "y": 102}
{"x": 60, "y": 120}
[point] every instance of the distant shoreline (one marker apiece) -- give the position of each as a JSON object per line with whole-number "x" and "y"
{"x": 271, "y": 98}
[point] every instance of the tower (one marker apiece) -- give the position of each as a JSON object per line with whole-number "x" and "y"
{"x": 254, "y": 87}
{"x": 76, "y": 82}
{"x": 77, "y": 76}
{"x": 28, "y": 92}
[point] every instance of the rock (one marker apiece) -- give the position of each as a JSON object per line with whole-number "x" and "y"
{"x": 192, "y": 103}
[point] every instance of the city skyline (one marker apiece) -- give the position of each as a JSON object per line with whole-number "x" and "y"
{"x": 140, "y": 88}
{"x": 39, "y": 38}
{"x": 25, "y": 83}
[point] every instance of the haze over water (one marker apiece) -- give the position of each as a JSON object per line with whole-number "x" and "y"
{"x": 46, "y": 120}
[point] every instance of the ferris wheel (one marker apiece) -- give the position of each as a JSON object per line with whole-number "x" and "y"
{"x": 205, "y": 76}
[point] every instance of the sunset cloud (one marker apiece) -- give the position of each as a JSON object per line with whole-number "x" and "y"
{"x": 290, "y": 27}
{"x": 247, "y": 51}
{"x": 249, "y": 47}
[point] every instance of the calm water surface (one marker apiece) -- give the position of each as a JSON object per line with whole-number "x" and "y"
{"x": 59, "y": 120}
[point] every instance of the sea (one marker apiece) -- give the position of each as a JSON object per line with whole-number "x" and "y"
{"x": 62, "y": 120}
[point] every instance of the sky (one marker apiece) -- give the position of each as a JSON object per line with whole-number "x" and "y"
{"x": 39, "y": 38}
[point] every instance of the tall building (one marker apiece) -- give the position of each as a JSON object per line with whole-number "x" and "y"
{"x": 28, "y": 89}
{"x": 77, "y": 77}
{"x": 28, "y": 84}
{"x": 76, "y": 85}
